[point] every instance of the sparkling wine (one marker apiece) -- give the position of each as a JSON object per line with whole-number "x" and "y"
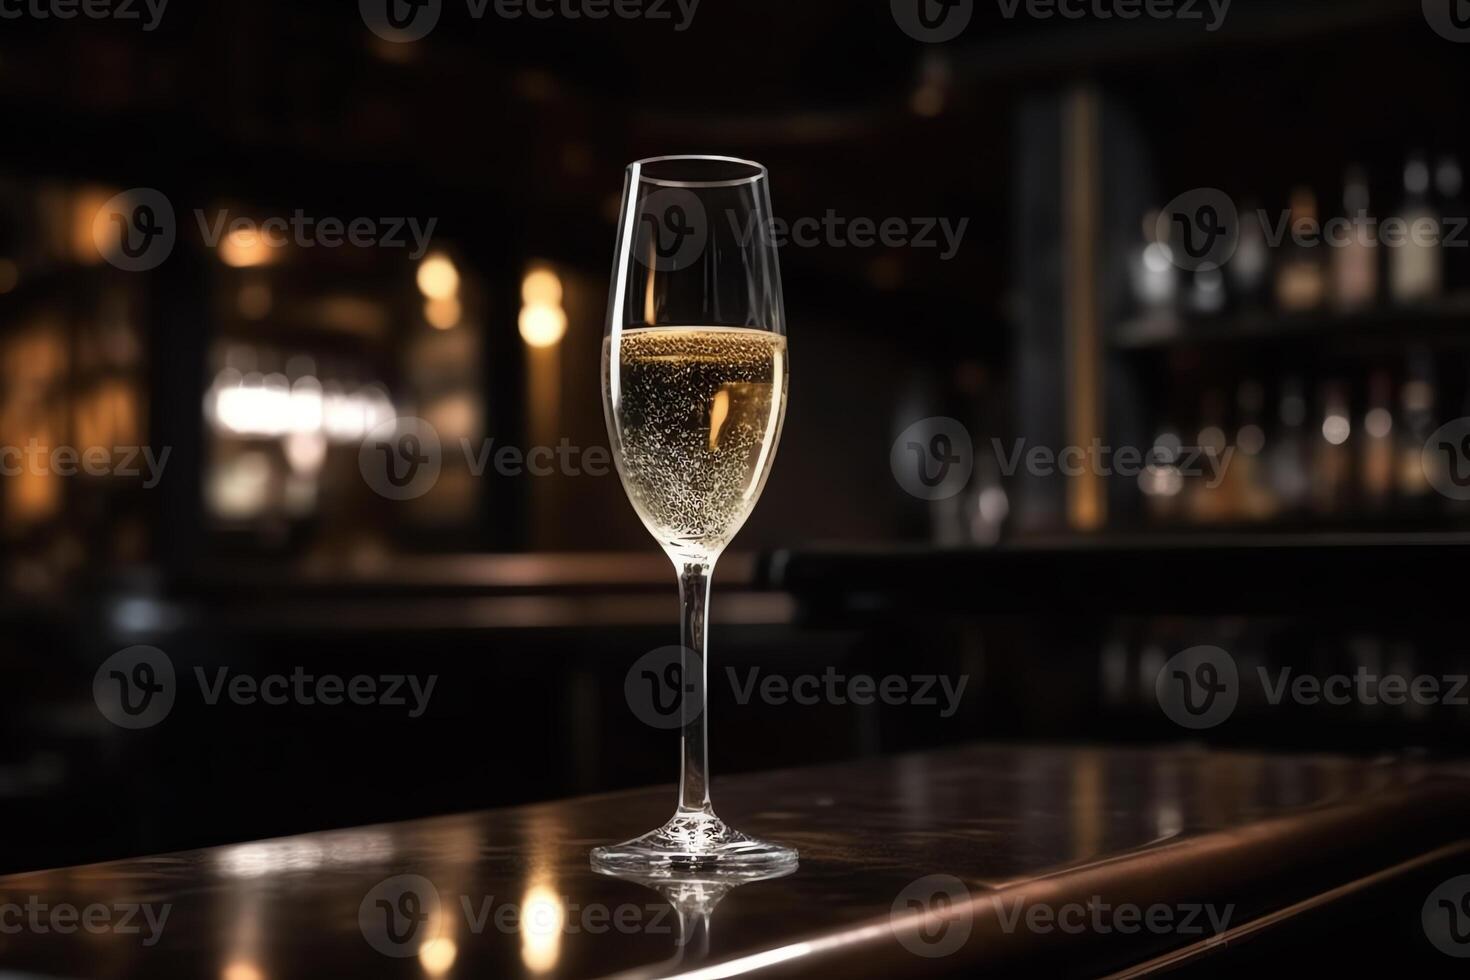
{"x": 696, "y": 416}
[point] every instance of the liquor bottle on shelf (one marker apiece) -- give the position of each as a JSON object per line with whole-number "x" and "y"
{"x": 1415, "y": 259}
{"x": 1449, "y": 184}
{"x": 1301, "y": 280}
{"x": 1206, "y": 295}
{"x": 1355, "y": 255}
{"x": 1247, "y": 476}
{"x": 1287, "y": 449}
{"x": 1251, "y": 264}
{"x": 1161, "y": 481}
{"x": 1332, "y": 459}
{"x": 1210, "y": 500}
{"x": 1151, "y": 271}
{"x": 1376, "y": 444}
{"x": 1418, "y": 399}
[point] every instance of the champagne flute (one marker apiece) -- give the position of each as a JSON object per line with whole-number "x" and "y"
{"x": 694, "y": 372}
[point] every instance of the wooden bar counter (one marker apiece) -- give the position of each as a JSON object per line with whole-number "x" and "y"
{"x": 983, "y": 860}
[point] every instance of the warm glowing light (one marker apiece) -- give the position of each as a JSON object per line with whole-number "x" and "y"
{"x": 1336, "y": 429}
{"x": 437, "y": 277}
{"x": 719, "y": 411}
{"x": 244, "y": 248}
{"x": 543, "y": 326}
{"x": 254, "y": 300}
{"x": 269, "y": 405}
{"x": 541, "y": 287}
{"x": 1379, "y": 423}
{"x": 1251, "y": 438}
{"x": 542, "y": 918}
{"x": 94, "y": 232}
{"x": 242, "y": 970}
{"x": 443, "y": 314}
{"x": 928, "y": 101}
{"x": 1161, "y": 481}
{"x": 437, "y": 955}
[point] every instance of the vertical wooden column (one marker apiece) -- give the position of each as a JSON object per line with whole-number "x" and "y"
{"x": 1086, "y": 503}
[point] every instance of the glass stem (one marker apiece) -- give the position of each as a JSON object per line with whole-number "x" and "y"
{"x": 694, "y": 578}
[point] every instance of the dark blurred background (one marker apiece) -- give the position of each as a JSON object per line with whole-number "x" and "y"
{"x": 1314, "y": 376}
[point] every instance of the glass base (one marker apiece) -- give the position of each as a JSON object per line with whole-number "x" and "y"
{"x": 698, "y": 843}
